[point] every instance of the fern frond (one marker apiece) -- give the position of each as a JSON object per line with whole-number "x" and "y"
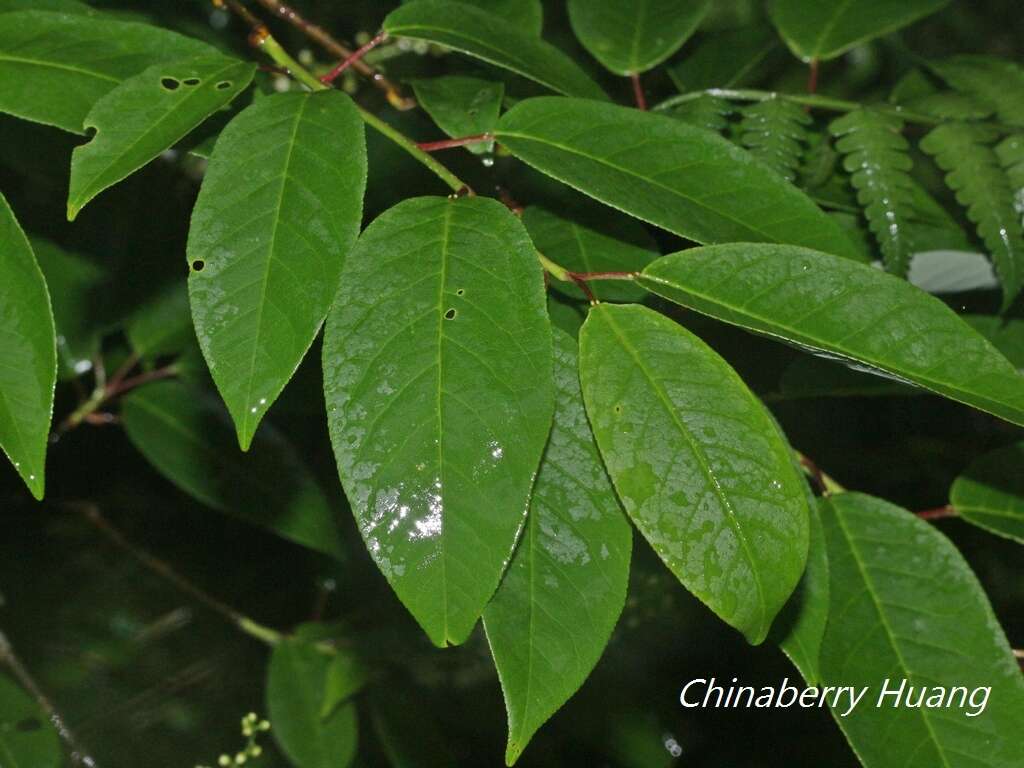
{"x": 1010, "y": 152}
{"x": 776, "y": 131}
{"x": 822, "y": 177}
{"x": 705, "y": 111}
{"x": 950, "y": 105}
{"x": 876, "y": 155}
{"x": 974, "y": 173}
{"x": 997, "y": 82}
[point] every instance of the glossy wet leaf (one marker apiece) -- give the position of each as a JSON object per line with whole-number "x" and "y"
{"x": 497, "y": 41}
{"x": 296, "y": 679}
{"x": 462, "y": 106}
{"x": 597, "y": 243}
{"x": 551, "y": 618}
{"x": 28, "y": 351}
{"x": 990, "y": 492}
{"x": 824, "y": 29}
{"x": 55, "y": 66}
{"x": 631, "y": 36}
{"x": 186, "y": 436}
{"x": 801, "y": 624}
{"x": 27, "y": 737}
{"x": 665, "y": 172}
{"x": 849, "y": 310}
{"x": 905, "y": 605}
{"x": 278, "y": 213}
{"x": 77, "y": 286}
{"x": 726, "y": 59}
{"x": 163, "y": 325}
{"x": 698, "y": 463}
{"x": 147, "y": 114}
{"x": 437, "y": 374}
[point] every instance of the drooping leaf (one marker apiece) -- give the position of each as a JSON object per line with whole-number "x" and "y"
{"x": 278, "y": 212}
{"x": 904, "y": 606}
{"x": 552, "y": 616}
{"x": 163, "y": 325}
{"x": 612, "y": 243}
{"x": 990, "y": 492}
{"x": 437, "y": 374}
{"x": 876, "y": 156}
{"x": 147, "y": 114}
{"x": 1010, "y": 152}
{"x": 974, "y": 173}
{"x": 631, "y": 36}
{"x": 187, "y": 437}
{"x": 824, "y": 29}
{"x": 76, "y": 287}
{"x": 462, "y": 106}
{"x": 775, "y": 131}
{"x": 800, "y": 627}
{"x": 697, "y": 461}
{"x": 845, "y": 309}
{"x": 296, "y": 680}
{"x": 492, "y": 39}
{"x": 705, "y": 111}
{"x": 997, "y": 82}
{"x": 28, "y": 351}
{"x": 27, "y": 737}
{"x": 665, "y": 172}
{"x": 55, "y": 66}
{"x": 726, "y": 59}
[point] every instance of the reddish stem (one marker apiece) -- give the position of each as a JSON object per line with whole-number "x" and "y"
{"x": 587, "y": 276}
{"x": 638, "y": 92}
{"x": 347, "y": 62}
{"x": 812, "y": 77}
{"x": 433, "y": 146}
{"x": 937, "y": 513}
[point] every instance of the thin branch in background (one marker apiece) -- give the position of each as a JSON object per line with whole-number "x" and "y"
{"x": 323, "y": 38}
{"x": 107, "y": 391}
{"x": 638, "y": 92}
{"x": 10, "y": 659}
{"x": 938, "y": 513}
{"x": 348, "y": 61}
{"x": 434, "y": 146}
{"x": 93, "y": 515}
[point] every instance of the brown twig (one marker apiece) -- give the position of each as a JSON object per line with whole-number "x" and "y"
{"x": 434, "y": 146}
{"x": 638, "y": 92}
{"x": 812, "y": 77}
{"x": 355, "y": 57}
{"x": 9, "y": 658}
{"x": 106, "y": 391}
{"x": 938, "y": 513}
{"x": 330, "y": 44}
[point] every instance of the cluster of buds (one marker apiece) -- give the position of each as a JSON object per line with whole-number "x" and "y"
{"x": 252, "y": 727}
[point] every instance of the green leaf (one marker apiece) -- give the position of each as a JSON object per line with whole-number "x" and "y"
{"x": 1006, "y": 335}
{"x": 800, "y": 627}
{"x": 296, "y": 680}
{"x": 632, "y": 36}
{"x": 726, "y": 59}
{"x": 974, "y": 173}
{"x": 186, "y": 436}
{"x": 462, "y": 106}
{"x": 552, "y": 616}
{"x": 905, "y": 606}
{"x": 775, "y": 131}
{"x": 62, "y": 6}
{"x": 55, "y": 66}
{"x": 593, "y": 243}
{"x": 147, "y": 114}
{"x": 999, "y": 83}
{"x": 28, "y": 349}
{"x": 705, "y": 111}
{"x": 346, "y": 676}
{"x": 850, "y": 310}
{"x": 278, "y": 212}
{"x": 810, "y": 376}
{"x": 27, "y": 737}
{"x": 494, "y": 40}
{"x": 697, "y": 461}
{"x": 665, "y": 172}
{"x": 876, "y": 155}
{"x": 824, "y": 29}
{"x": 437, "y": 374}
{"x": 527, "y": 15}
{"x": 163, "y": 325}
{"x": 1010, "y": 152}
{"x": 76, "y": 286}
{"x": 990, "y": 493}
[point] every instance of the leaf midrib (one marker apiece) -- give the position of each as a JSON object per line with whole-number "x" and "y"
{"x": 702, "y": 459}
{"x": 64, "y": 67}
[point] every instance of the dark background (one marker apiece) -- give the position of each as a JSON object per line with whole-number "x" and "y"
{"x": 145, "y": 675}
